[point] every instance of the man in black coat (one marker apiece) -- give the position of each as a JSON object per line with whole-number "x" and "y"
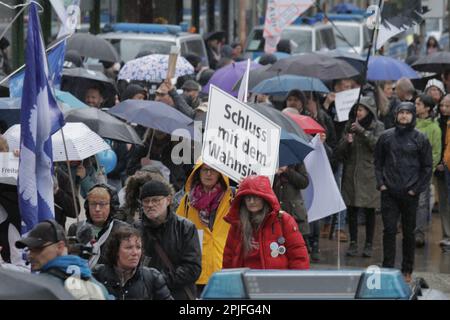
{"x": 171, "y": 243}
{"x": 403, "y": 167}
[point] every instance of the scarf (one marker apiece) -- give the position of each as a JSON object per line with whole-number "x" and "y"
{"x": 206, "y": 202}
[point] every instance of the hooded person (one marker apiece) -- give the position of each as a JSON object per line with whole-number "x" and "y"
{"x": 403, "y": 167}
{"x": 206, "y": 201}
{"x": 296, "y": 99}
{"x": 100, "y": 223}
{"x": 261, "y": 235}
{"x": 435, "y": 89}
{"x": 358, "y": 180}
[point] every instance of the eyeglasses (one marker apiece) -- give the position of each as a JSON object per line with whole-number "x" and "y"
{"x": 207, "y": 170}
{"x": 39, "y": 249}
{"x": 250, "y": 197}
{"x": 161, "y": 94}
{"x": 152, "y": 201}
{"x": 95, "y": 204}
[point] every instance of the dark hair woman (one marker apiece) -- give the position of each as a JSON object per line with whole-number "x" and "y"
{"x": 123, "y": 275}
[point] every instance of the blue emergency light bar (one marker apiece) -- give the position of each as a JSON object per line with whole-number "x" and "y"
{"x": 342, "y": 17}
{"x": 149, "y": 28}
{"x": 307, "y": 284}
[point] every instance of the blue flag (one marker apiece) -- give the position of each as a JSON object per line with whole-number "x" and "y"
{"x": 55, "y": 65}
{"x": 40, "y": 117}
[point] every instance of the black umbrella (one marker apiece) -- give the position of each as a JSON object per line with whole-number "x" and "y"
{"x": 78, "y": 80}
{"x": 25, "y": 286}
{"x": 256, "y": 76}
{"x": 316, "y": 66}
{"x": 89, "y": 45}
{"x": 284, "y": 121}
{"x": 354, "y": 59}
{"x": 436, "y": 62}
{"x": 104, "y": 124}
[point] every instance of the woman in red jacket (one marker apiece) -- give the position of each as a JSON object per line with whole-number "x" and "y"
{"x": 261, "y": 235}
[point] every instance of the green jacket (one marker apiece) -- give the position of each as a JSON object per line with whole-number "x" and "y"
{"x": 431, "y": 129}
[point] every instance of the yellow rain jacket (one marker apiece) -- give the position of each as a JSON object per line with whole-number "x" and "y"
{"x": 213, "y": 240}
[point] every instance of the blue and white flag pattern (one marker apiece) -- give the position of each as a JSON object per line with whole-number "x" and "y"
{"x": 322, "y": 185}
{"x": 55, "y": 64}
{"x": 40, "y": 117}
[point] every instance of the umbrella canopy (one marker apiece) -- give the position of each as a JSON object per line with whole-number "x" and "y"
{"x": 281, "y": 85}
{"x": 104, "y": 124}
{"x": 86, "y": 74}
{"x": 316, "y": 66}
{"x": 89, "y": 45}
{"x": 387, "y": 68}
{"x": 10, "y": 107}
{"x": 280, "y": 119}
{"x": 157, "y": 115}
{"x": 435, "y": 62}
{"x": 256, "y": 76}
{"x": 293, "y": 150}
{"x": 225, "y": 78}
{"x": 278, "y": 54}
{"x": 26, "y": 286}
{"x": 308, "y": 124}
{"x": 153, "y": 68}
{"x": 354, "y": 59}
{"x": 81, "y": 142}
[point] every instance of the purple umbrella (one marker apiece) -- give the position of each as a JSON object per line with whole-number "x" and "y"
{"x": 225, "y": 78}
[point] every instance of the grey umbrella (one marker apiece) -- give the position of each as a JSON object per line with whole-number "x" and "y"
{"x": 316, "y": 66}
{"x": 86, "y": 74}
{"x": 104, "y": 124}
{"x": 436, "y": 62}
{"x": 89, "y": 45}
{"x": 284, "y": 121}
{"x": 25, "y": 286}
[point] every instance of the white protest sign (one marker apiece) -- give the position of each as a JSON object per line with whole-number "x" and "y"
{"x": 9, "y": 168}
{"x": 344, "y": 102}
{"x": 238, "y": 140}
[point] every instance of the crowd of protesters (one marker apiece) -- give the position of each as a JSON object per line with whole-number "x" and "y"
{"x": 156, "y": 229}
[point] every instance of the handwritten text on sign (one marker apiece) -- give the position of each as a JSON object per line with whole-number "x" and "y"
{"x": 239, "y": 141}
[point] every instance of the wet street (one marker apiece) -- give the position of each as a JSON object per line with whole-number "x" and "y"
{"x": 431, "y": 262}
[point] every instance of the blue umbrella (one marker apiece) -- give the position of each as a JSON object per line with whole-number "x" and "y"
{"x": 347, "y": 8}
{"x": 386, "y": 68}
{"x": 281, "y": 85}
{"x": 157, "y": 115}
{"x": 10, "y": 107}
{"x": 293, "y": 150}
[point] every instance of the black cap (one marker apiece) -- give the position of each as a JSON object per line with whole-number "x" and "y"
{"x": 41, "y": 234}
{"x": 154, "y": 188}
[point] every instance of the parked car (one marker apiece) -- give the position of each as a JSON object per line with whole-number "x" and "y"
{"x": 307, "y": 35}
{"x": 370, "y": 283}
{"x": 131, "y": 39}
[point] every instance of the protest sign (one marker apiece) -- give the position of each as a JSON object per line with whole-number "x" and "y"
{"x": 238, "y": 140}
{"x": 9, "y": 168}
{"x": 344, "y": 102}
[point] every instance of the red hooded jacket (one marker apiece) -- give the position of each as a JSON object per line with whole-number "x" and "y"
{"x": 276, "y": 227}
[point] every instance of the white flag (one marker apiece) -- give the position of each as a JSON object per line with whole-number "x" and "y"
{"x": 322, "y": 197}
{"x": 243, "y": 89}
{"x": 280, "y": 14}
{"x": 396, "y": 17}
{"x": 69, "y": 16}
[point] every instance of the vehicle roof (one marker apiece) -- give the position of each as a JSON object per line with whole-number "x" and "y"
{"x": 318, "y": 25}
{"x": 146, "y": 36}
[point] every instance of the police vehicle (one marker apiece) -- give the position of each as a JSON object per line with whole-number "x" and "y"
{"x": 351, "y": 32}
{"x": 131, "y": 39}
{"x": 370, "y": 283}
{"x": 306, "y": 35}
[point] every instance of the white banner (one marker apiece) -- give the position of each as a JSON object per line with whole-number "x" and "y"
{"x": 239, "y": 141}
{"x": 344, "y": 102}
{"x": 9, "y": 168}
{"x": 69, "y": 14}
{"x": 322, "y": 185}
{"x": 280, "y": 14}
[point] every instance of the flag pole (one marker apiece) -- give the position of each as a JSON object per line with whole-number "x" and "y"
{"x": 72, "y": 185}
{"x": 371, "y": 45}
